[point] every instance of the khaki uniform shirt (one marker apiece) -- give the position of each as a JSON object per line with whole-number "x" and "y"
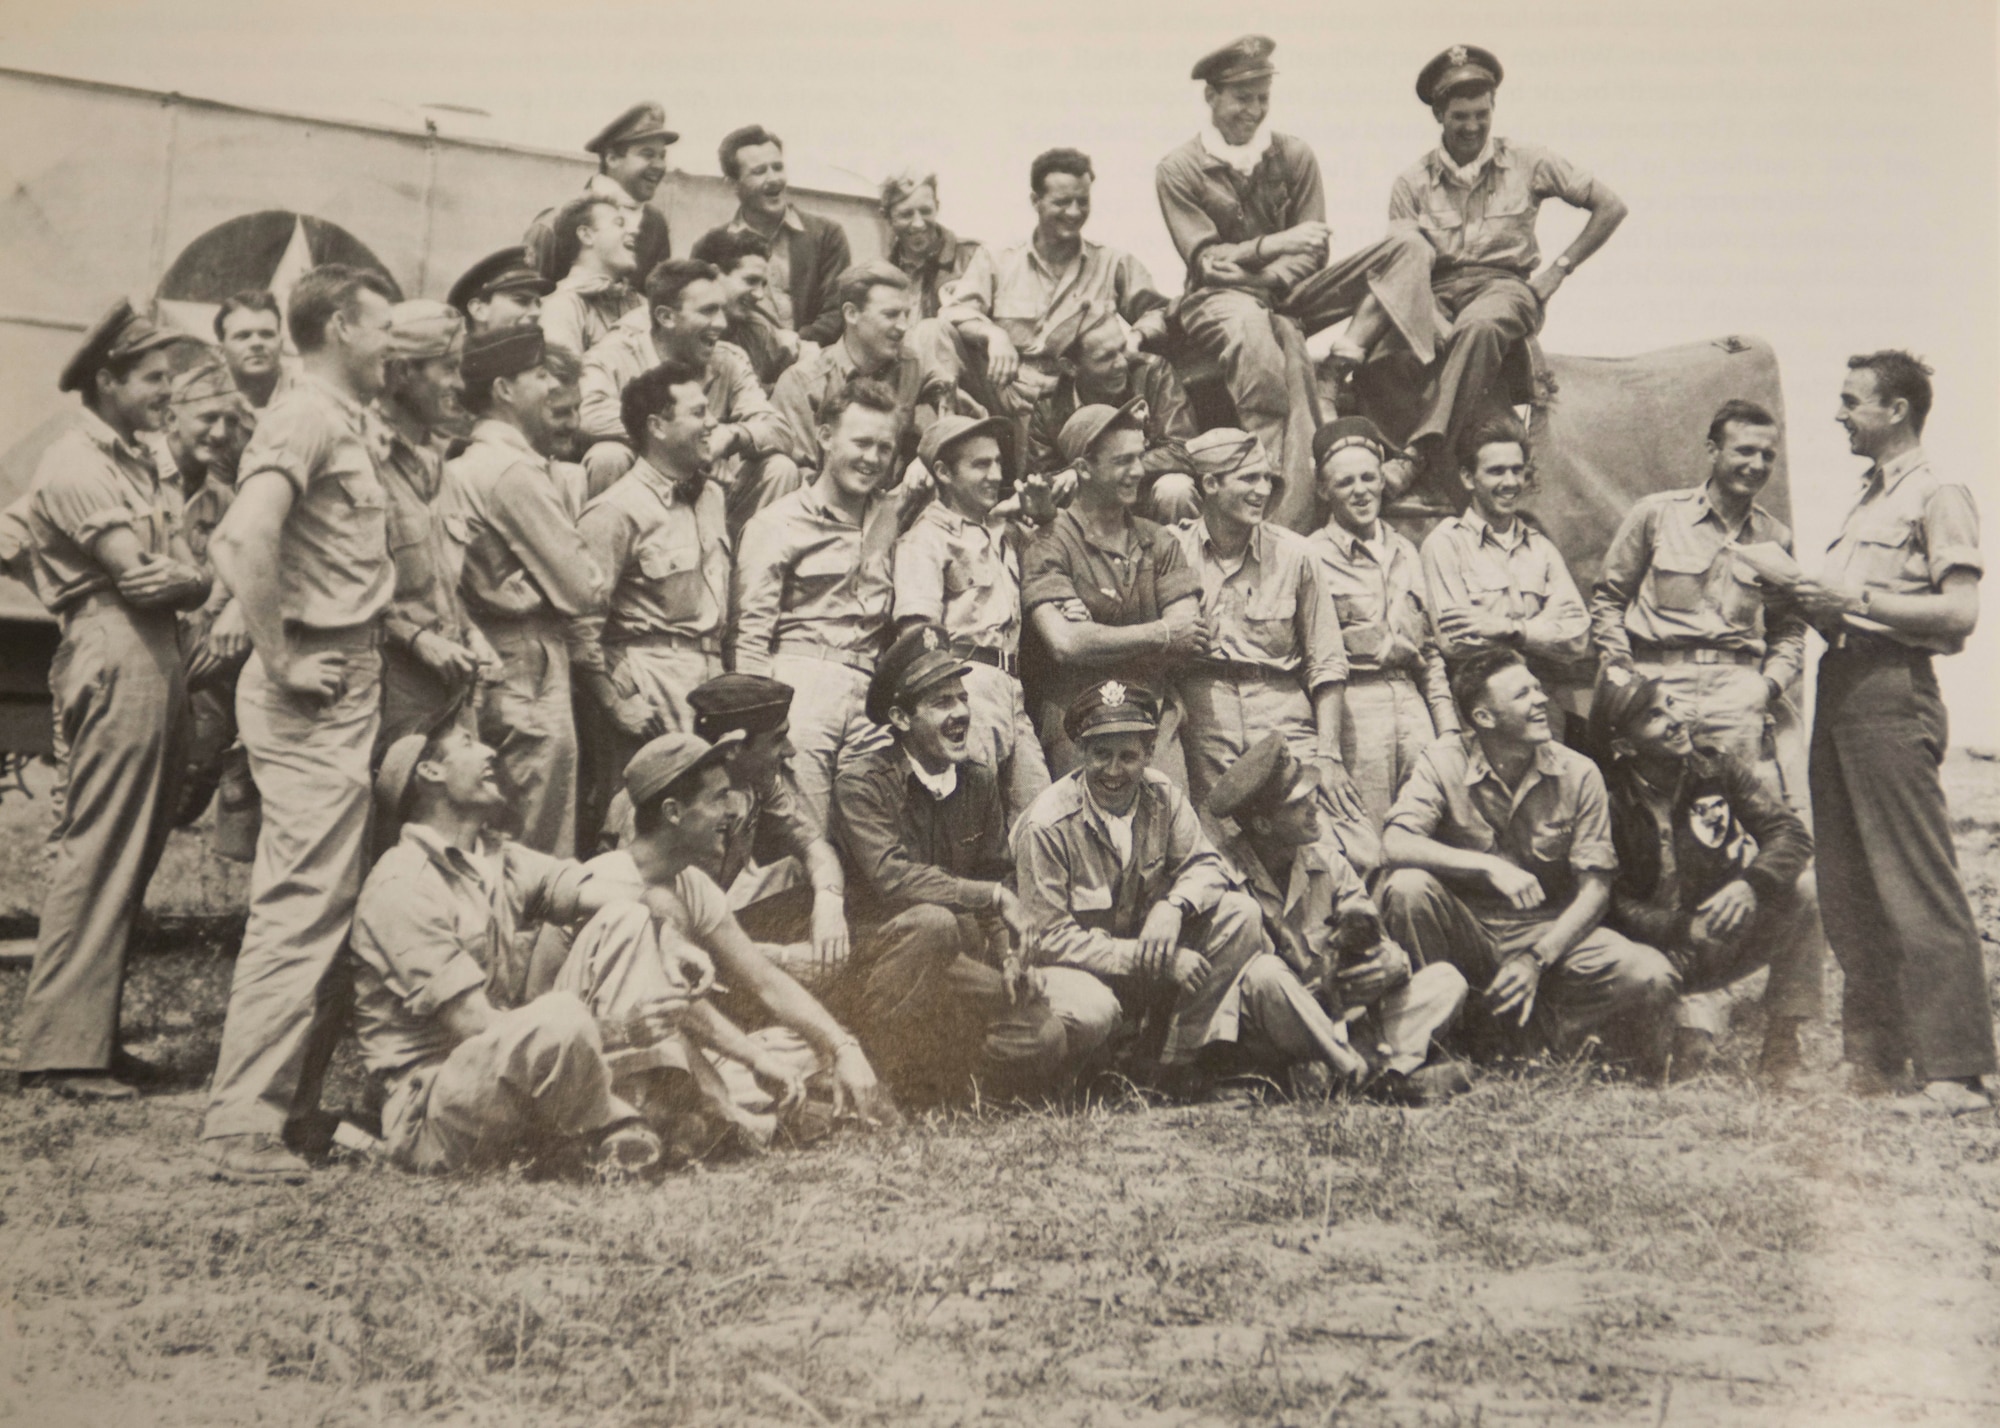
{"x": 667, "y": 562}
{"x": 735, "y": 396}
{"x": 804, "y": 387}
{"x": 1907, "y": 532}
{"x": 1299, "y": 913}
{"x": 432, "y": 923}
{"x": 1670, "y": 579}
{"x": 523, "y": 552}
{"x": 91, "y": 480}
{"x": 1084, "y": 902}
{"x": 584, "y": 308}
{"x": 964, "y": 575}
{"x": 1471, "y": 568}
{"x": 1485, "y": 218}
{"x": 426, "y": 558}
{"x": 1042, "y": 310}
{"x": 1378, "y": 594}
{"x": 1270, "y": 608}
{"x": 1204, "y": 201}
{"x": 809, "y": 575}
{"x": 334, "y": 568}
{"x": 932, "y": 275}
{"x": 1556, "y": 824}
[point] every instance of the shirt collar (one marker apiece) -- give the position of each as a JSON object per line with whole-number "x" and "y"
{"x": 443, "y": 855}
{"x": 1083, "y": 257}
{"x": 101, "y": 434}
{"x": 1478, "y": 770}
{"x": 942, "y": 256}
{"x": 354, "y": 411}
{"x": 939, "y": 786}
{"x": 1243, "y": 158}
{"x": 1444, "y": 167}
{"x": 1475, "y": 521}
{"x": 502, "y": 433}
{"x": 1083, "y": 532}
{"x": 809, "y": 498}
{"x": 590, "y": 284}
{"x": 1892, "y": 472}
{"x": 790, "y": 220}
{"x": 656, "y": 481}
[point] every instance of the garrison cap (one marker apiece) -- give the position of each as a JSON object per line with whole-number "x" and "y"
{"x": 503, "y": 352}
{"x": 1620, "y": 695}
{"x": 1349, "y": 431}
{"x": 1245, "y": 58}
{"x": 1461, "y": 64}
{"x": 659, "y": 765}
{"x": 920, "y": 658}
{"x": 1264, "y": 777}
{"x": 423, "y": 328}
{"x": 119, "y": 334}
{"x": 1225, "y": 450}
{"x": 645, "y": 120}
{"x": 506, "y": 271}
{"x": 954, "y": 428}
{"x": 749, "y": 702}
{"x": 205, "y": 379}
{"x": 392, "y": 779}
{"x": 1112, "y": 708}
{"x": 1088, "y": 423}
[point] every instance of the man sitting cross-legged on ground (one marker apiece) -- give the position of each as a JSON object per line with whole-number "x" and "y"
{"x": 1323, "y": 923}
{"x": 469, "y": 1085}
{"x": 1712, "y": 870}
{"x": 937, "y": 984}
{"x": 1132, "y": 918}
{"x": 1501, "y": 862}
{"x": 682, "y": 809}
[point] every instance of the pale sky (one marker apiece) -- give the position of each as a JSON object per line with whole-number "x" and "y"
{"x": 1824, "y": 175}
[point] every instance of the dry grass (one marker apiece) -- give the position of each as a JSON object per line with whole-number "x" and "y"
{"x": 1557, "y": 1247}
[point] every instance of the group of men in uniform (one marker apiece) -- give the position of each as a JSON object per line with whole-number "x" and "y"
{"x": 880, "y": 653}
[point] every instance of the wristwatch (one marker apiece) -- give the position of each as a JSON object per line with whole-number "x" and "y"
{"x": 1564, "y": 263}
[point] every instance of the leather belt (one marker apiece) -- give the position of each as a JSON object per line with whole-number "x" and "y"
{"x": 863, "y": 660}
{"x": 1238, "y": 672}
{"x": 1866, "y": 644}
{"x": 667, "y": 640}
{"x": 1003, "y": 660}
{"x": 1369, "y": 676}
{"x": 1693, "y": 654}
{"x": 307, "y": 639}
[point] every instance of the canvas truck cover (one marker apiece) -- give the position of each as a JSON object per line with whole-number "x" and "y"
{"x": 113, "y": 192}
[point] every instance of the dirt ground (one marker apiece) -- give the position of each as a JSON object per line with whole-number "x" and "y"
{"x": 1558, "y": 1247}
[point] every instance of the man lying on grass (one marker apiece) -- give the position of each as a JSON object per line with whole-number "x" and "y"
{"x": 468, "y": 1085}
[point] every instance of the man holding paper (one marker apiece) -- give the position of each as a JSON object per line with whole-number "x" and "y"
{"x": 1695, "y": 594}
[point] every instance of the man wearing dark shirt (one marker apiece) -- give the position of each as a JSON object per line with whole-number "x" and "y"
{"x": 808, "y": 253}
{"x": 1711, "y": 870}
{"x": 937, "y": 980}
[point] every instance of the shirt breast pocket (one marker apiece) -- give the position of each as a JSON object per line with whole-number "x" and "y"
{"x": 1489, "y": 591}
{"x": 673, "y": 572}
{"x": 1679, "y": 580}
{"x": 1086, "y": 898}
{"x": 1883, "y": 550}
{"x": 1549, "y": 840}
{"x": 1268, "y": 623}
{"x": 1363, "y": 634}
{"x": 819, "y": 572}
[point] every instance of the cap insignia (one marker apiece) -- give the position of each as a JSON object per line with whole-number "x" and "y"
{"x": 930, "y": 637}
{"x": 1457, "y": 53}
{"x": 1113, "y": 694}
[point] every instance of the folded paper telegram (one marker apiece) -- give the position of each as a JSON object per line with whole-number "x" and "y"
{"x": 1772, "y": 563}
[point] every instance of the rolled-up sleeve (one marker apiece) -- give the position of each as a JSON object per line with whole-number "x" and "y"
{"x": 1590, "y": 847}
{"x": 1421, "y": 807}
{"x": 970, "y": 297}
{"x": 1320, "y": 638}
{"x": 292, "y": 439}
{"x": 83, "y": 501}
{"x": 1045, "y": 573}
{"x": 759, "y": 589}
{"x": 920, "y": 561}
{"x": 403, "y": 929}
{"x": 1951, "y": 533}
{"x": 1553, "y": 176}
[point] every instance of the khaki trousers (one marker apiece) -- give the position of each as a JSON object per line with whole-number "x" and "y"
{"x": 1387, "y": 726}
{"x": 528, "y": 721}
{"x": 537, "y": 1073}
{"x": 121, "y": 709}
{"x": 830, "y": 724}
{"x": 1004, "y": 736}
{"x": 310, "y": 762}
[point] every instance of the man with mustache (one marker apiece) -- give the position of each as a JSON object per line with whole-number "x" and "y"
{"x": 1494, "y": 580}
{"x": 305, "y": 550}
{"x": 1108, "y": 594}
{"x": 1273, "y": 660}
{"x": 467, "y": 1085}
{"x": 1398, "y": 696}
{"x": 813, "y": 586}
{"x": 1500, "y": 861}
{"x": 807, "y": 253}
{"x": 595, "y": 259}
{"x": 631, "y": 164}
{"x": 528, "y": 575}
{"x": 959, "y": 566}
{"x": 687, "y": 317}
{"x": 1022, "y": 307}
{"x": 1131, "y": 914}
{"x": 1713, "y": 869}
{"x": 657, "y": 534}
{"x": 432, "y": 654}
{"x": 871, "y": 344}
{"x": 1676, "y": 604}
{"x": 111, "y": 564}
{"x": 936, "y": 980}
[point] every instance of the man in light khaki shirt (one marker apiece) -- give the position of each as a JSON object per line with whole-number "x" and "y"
{"x": 1676, "y": 603}
{"x": 1397, "y": 696}
{"x": 658, "y": 536}
{"x": 959, "y": 565}
{"x": 1024, "y": 306}
{"x": 683, "y": 322}
{"x": 595, "y": 258}
{"x": 1272, "y": 661}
